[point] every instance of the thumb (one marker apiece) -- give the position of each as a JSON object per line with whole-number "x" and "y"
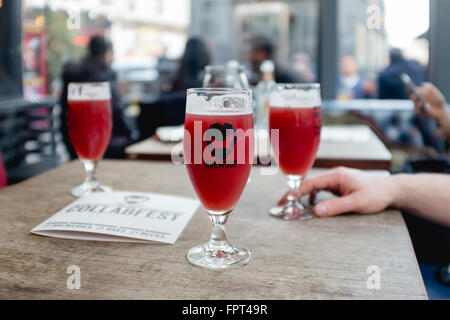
{"x": 336, "y": 206}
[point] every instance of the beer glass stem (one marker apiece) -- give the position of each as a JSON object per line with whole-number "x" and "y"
{"x": 90, "y": 184}
{"x": 218, "y": 240}
{"x": 218, "y": 253}
{"x": 294, "y": 183}
{"x": 290, "y": 206}
{"x": 90, "y": 166}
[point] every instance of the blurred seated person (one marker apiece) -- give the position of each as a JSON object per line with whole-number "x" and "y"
{"x": 390, "y": 85}
{"x": 416, "y": 130}
{"x": 192, "y": 65}
{"x": 301, "y": 63}
{"x": 96, "y": 67}
{"x": 170, "y": 109}
{"x": 351, "y": 85}
{"x": 189, "y": 74}
{"x": 262, "y": 49}
{"x": 438, "y": 109}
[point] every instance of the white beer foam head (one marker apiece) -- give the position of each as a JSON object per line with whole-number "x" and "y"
{"x": 96, "y": 91}
{"x": 219, "y": 102}
{"x": 295, "y": 98}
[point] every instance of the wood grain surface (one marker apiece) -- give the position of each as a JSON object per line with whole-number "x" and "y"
{"x": 317, "y": 259}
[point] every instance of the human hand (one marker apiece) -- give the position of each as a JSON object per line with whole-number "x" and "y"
{"x": 358, "y": 192}
{"x": 436, "y": 100}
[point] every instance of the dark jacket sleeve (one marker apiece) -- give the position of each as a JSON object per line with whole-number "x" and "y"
{"x": 383, "y": 90}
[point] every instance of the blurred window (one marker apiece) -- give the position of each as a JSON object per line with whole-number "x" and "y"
{"x": 56, "y": 32}
{"x": 378, "y": 41}
{"x": 367, "y": 31}
{"x": 291, "y": 25}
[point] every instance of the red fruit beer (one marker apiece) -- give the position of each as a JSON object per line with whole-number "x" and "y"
{"x": 219, "y": 178}
{"x": 90, "y": 124}
{"x": 219, "y": 143}
{"x": 299, "y": 137}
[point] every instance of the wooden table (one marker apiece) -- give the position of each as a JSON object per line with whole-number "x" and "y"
{"x": 317, "y": 259}
{"x": 350, "y": 146}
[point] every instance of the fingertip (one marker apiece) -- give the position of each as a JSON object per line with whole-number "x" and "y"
{"x": 304, "y": 190}
{"x": 423, "y": 89}
{"x": 306, "y": 187}
{"x": 322, "y": 210}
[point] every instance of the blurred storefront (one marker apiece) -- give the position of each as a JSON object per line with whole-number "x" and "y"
{"x": 35, "y": 67}
{"x": 141, "y": 33}
{"x": 147, "y": 32}
{"x": 336, "y": 41}
{"x": 362, "y": 34}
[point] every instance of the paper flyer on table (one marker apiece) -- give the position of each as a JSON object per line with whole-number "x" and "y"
{"x": 122, "y": 217}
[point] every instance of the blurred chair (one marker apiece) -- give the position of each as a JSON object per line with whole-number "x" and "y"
{"x": 28, "y": 132}
{"x": 401, "y": 152}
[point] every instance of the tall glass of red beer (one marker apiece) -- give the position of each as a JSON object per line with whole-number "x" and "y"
{"x": 295, "y": 115}
{"x": 218, "y": 144}
{"x": 89, "y": 125}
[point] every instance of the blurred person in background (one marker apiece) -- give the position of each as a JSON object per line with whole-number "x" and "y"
{"x": 438, "y": 109}
{"x": 96, "y": 67}
{"x": 192, "y": 65}
{"x": 189, "y": 74}
{"x": 170, "y": 108}
{"x": 351, "y": 85}
{"x": 301, "y": 63}
{"x": 417, "y": 130}
{"x": 390, "y": 85}
{"x": 262, "y": 49}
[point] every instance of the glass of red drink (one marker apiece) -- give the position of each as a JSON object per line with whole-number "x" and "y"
{"x": 219, "y": 145}
{"x": 296, "y": 118}
{"x": 89, "y": 125}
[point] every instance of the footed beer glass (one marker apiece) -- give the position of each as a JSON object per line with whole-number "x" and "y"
{"x": 218, "y": 153}
{"x": 295, "y": 114}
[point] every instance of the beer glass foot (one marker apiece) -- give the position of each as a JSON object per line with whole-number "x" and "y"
{"x": 290, "y": 206}
{"x": 288, "y": 197}
{"x": 218, "y": 259}
{"x": 90, "y": 187}
{"x": 292, "y": 210}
